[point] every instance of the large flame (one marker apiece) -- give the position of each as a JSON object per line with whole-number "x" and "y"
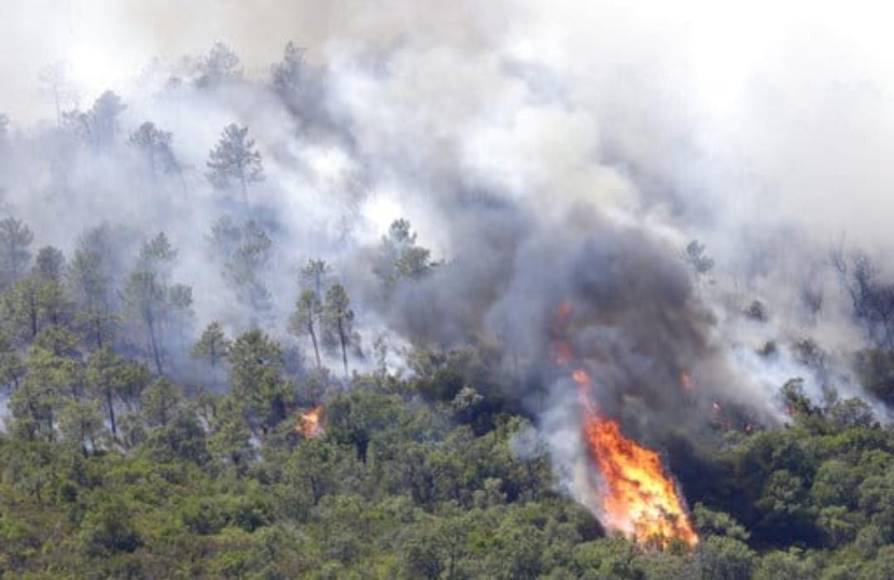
{"x": 637, "y": 496}
{"x": 310, "y": 422}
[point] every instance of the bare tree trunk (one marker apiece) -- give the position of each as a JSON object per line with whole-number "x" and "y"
{"x": 156, "y": 354}
{"x": 97, "y": 330}
{"x": 344, "y": 346}
{"x": 33, "y": 313}
{"x": 111, "y": 405}
{"x": 313, "y": 339}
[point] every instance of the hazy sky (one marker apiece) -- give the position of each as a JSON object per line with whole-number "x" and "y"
{"x": 798, "y": 94}
{"x": 107, "y": 42}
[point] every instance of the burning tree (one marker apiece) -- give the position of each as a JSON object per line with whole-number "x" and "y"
{"x": 310, "y": 422}
{"x": 637, "y": 496}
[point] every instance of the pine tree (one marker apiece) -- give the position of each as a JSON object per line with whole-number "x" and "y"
{"x": 304, "y": 320}
{"x": 235, "y": 160}
{"x": 15, "y": 257}
{"x": 213, "y": 345}
{"x": 339, "y": 319}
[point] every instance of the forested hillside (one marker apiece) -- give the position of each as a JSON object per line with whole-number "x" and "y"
{"x": 440, "y": 298}
{"x": 112, "y": 469}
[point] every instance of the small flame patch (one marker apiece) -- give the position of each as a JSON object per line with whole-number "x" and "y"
{"x": 310, "y": 422}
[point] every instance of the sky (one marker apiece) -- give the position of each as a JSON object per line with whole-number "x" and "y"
{"x": 788, "y": 101}
{"x": 108, "y": 42}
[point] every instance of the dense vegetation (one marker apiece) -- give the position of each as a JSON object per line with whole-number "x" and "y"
{"x": 110, "y": 469}
{"x": 135, "y": 444}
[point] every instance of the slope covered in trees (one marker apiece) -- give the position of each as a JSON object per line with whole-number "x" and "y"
{"x": 188, "y": 391}
{"x": 113, "y": 469}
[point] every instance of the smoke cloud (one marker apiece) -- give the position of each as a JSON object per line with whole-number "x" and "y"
{"x": 548, "y": 154}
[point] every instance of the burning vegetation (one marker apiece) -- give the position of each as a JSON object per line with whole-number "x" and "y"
{"x": 310, "y": 422}
{"x": 635, "y": 494}
{"x": 154, "y": 335}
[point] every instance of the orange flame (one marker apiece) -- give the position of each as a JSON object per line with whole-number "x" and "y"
{"x": 638, "y": 497}
{"x": 310, "y": 422}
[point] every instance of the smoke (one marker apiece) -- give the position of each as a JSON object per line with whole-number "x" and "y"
{"x": 548, "y": 154}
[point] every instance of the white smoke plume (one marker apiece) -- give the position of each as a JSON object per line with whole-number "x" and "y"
{"x": 546, "y": 152}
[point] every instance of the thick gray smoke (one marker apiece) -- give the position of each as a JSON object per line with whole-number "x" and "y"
{"x": 548, "y": 153}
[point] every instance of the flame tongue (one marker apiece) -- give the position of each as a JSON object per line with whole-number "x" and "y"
{"x": 310, "y": 422}
{"x": 638, "y": 498}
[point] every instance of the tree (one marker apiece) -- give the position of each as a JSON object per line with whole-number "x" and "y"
{"x": 39, "y": 298}
{"x": 111, "y": 378}
{"x": 11, "y": 367}
{"x": 235, "y": 159}
{"x": 180, "y": 303}
{"x": 721, "y": 558}
{"x": 400, "y": 257}
{"x": 245, "y": 255}
{"x": 81, "y": 422}
{"x": 50, "y": 264}
{"x": 22, "y": 308}
{"x": 91, "y": 281}
{"x": 148, "y": 294}
{"x": 109, "y": 528}
{"x": 98, "y": 127}
{"x": 145, "y": 298}
{"x": 790, "y": 565}
{"x": 213, "y": 345}
{"x": 339, "y": 319}
{"x": 220, "y": 65}
{"x": 872, "y": 300}
{"x": 157, "y": 256}
{"x": 59, "y": 341}
{"x": 230, "y": 439}
{"x": 103, "y": 118}
{"x": 303, "y": 321}
{"x": 313, "y": 276}
{"x": 15, "y": 257}
{"x": 51, "y": 374}
{"x": 154, "y": 145}
{"x": 161, "y": 401}
{"x": 256, "y": 377}
{"x": 287, "y": 75}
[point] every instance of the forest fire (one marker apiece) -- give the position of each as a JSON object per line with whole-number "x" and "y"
{"x": 310, "y": 422}
{"x": 637, "y": 497}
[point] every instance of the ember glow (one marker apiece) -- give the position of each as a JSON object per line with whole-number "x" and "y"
{"x": 638, "y": 497}
{"x": 310, "y": 422}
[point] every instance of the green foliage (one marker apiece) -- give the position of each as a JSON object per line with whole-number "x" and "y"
{"x": 400, "y": 258}
{"x": 213, "y": 345}
{"x": 257, "y": 380}
{"x": 15, "y": 255}
{"x": 235, "y": 161}
{"x": 109, "y": 470}
{"x": 338, "y": 319}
